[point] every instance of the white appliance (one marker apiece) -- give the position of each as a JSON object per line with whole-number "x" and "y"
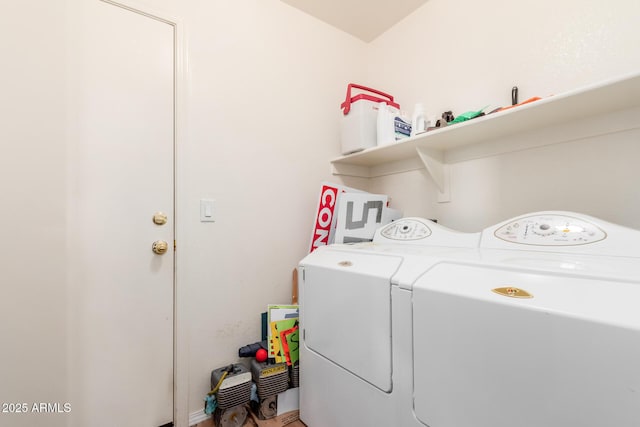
{"x": 533, "y": 322}
{"x": 355, "y": 358}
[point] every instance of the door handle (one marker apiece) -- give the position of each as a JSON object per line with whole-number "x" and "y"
{"x": 159, "y": 247}
{"x": 159, "y": 218}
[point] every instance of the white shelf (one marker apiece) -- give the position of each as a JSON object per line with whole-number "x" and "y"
{"x": 430, "y": 149}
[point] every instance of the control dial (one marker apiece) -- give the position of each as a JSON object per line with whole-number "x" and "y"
{"x": 406, "y": 229}
{"x": 550, "y": 230}
{"x": 543, "y": 229}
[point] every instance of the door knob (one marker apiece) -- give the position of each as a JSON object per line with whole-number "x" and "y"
{"x": 159, "y": 218}
{"x": 160, "y": 247}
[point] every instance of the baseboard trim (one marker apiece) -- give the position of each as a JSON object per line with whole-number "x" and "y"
{"x": 197, "y": 417}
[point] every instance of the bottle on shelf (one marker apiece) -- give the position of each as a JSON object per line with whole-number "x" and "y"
{"x": 419, "y": 122}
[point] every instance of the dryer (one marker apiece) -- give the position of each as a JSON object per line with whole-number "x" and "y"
{"x": 355, "y": 359}
{"x": 535, "y": 321}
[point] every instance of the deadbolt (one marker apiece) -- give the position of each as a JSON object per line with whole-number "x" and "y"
{"x": 160, "y": 218}
{"x": 160, "y": 247}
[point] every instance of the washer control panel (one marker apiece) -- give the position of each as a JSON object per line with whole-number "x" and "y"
{"x": 550, "y": 230}
{"x": 406, "y": 229}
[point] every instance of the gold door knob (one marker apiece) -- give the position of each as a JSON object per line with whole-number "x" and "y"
{"x": 160, "y": 247}
{"x": 159, "y": 218}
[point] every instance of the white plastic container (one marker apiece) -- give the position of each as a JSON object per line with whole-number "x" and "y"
{"x": 419, "y": 123}
{"x": 386, "y": 133}
{"x": 359, "y": 118}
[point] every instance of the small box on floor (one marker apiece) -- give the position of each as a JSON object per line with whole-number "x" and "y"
{"x": 290, "y": 419}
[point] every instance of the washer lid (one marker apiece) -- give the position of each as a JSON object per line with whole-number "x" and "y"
{"x": 504, "y": 348}
{"x": 346, "y": 311}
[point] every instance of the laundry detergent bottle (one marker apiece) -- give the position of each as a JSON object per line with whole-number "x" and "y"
{"x": 419, "y": 122}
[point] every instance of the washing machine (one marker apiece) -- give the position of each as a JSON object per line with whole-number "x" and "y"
{"x": 543, "y": 331}
{"x": 355, "y": 354}
{"x": 535, "y": 321}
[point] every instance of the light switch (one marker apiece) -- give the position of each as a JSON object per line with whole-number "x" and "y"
{"x": 207, "y": 210}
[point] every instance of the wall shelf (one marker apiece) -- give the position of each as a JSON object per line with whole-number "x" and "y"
{"x": 429, "y": 150}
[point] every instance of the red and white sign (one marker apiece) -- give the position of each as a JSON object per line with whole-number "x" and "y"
{"x": 325, "y": 215}
{"x": 345, "y": 215}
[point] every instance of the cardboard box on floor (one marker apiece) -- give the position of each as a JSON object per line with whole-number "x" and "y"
{"x": 289, "y": 419}
{"x": 288, "y": 411}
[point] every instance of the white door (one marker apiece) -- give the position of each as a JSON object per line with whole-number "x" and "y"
{"x": 120, "y": 174}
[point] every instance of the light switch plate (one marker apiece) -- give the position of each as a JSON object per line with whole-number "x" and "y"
{"x": 207, "y": 210}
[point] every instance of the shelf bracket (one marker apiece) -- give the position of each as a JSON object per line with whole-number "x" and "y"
{"x": 439, "y": 171}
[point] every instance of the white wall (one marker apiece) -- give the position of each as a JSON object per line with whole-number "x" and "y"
{"x": 462, "y": 57}
{"x": 264, "y": 86}
{"x": 33, "y": 305}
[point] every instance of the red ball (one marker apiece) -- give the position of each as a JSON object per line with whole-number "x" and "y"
{"x": 261, "y": 355}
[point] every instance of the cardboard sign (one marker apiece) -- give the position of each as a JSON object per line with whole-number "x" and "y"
{"x": 360, "y": 215}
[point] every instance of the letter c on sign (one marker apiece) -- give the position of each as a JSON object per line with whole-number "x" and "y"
{"x": 330, "y": 193}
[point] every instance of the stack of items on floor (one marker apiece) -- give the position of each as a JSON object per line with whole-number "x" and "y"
{"x": 231, "y": 389}
{"x": 269, "y": 387}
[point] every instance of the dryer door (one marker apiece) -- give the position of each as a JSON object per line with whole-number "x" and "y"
{"x": 346, "y": 312}
{"x": 567, "y": 355}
